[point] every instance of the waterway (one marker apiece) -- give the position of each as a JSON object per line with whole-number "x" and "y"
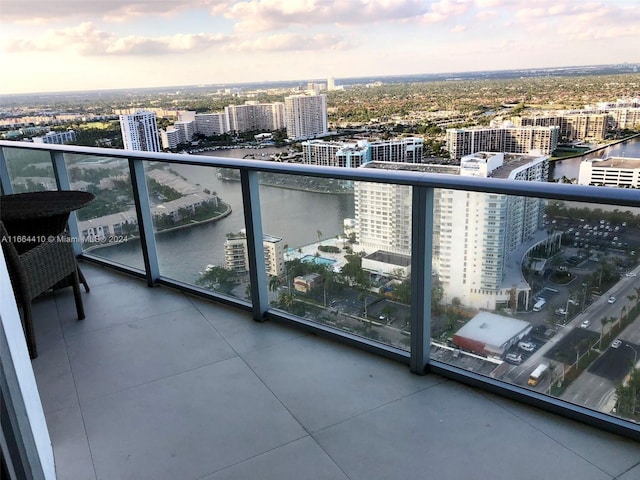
{"x": 298, "y": 217}
{"x": 570, "y": 167}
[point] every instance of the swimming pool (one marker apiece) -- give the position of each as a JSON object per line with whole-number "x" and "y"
{"x": 317, "y": 260}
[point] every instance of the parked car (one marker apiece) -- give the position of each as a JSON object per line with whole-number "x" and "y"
{"x": 612, "y": 300}
{"x": 527, "y": 346}
{"x": 585, "y": 324}
{"x": 616, "y": 343}
{"x": 514, "y": 358}
{"x": 630, "y": 274}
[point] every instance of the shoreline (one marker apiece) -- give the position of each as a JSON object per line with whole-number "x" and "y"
{"x": 597, "y": 149}
{"x": 224, "y": 214}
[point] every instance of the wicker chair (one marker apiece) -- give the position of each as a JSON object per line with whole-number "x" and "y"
{"x": 36, "y": 271}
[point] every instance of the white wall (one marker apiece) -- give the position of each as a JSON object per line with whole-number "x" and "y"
{"x": 20, "y": 384}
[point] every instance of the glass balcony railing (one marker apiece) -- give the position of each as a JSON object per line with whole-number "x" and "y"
{"x": 528, "y": 289}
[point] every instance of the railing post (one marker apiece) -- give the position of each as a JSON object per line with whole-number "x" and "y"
{"x": 255, "y": 246}
{"x": 63, "y": 182}
{"x": 145, "y": 220}
{"x": 5, "y": 179}
{"x": 421, "y": 280}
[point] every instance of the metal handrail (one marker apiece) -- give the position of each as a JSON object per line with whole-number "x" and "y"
{"x": 423, "y": 185}
{"x": 556, "y": 191}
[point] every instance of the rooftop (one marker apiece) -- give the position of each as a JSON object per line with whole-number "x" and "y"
{"x": 157, "y": 384}
{"x": 493, "y": 329}
{"x": 617, "y": 162}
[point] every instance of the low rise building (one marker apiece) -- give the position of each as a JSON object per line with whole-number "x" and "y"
{"x": 491, "y": 335}
{"x": 622, "y": 172}
{"x": 306, "y": 283}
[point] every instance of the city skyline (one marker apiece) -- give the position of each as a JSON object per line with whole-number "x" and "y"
{"x": 72, "y": 45}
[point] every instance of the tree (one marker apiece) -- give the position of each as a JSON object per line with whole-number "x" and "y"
{"x": 217, "y": 278}
{"x": 274, "y": 283}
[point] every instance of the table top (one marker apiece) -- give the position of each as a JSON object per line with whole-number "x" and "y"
{"x": 35, "y": 205}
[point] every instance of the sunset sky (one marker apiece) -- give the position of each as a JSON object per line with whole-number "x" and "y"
{"x": 62, "y": 45}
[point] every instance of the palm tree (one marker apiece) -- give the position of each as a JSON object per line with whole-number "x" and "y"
{"x": 274, "y": 283}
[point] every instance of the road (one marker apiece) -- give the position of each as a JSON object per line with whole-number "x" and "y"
{"x": 591, "y": 392}
{"x": 595, "y": 387}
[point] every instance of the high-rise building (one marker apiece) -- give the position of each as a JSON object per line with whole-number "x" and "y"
{"x": 477, "y": 236}
{"x": 331, "y": 84}
{"x": 354, "y": 154}
{"x": 255, "y": 117}
{"x": 573, "y": 126}
{"x": 140, "y": 131}
{"x": 306, "y": 116}
{"x": 58, "y": 138}
{"x": 186, "y": 128}
{"x": 236, "y": 254}
{"x": 170, "y": 138}
{"x": 507, "y": 138}
{"x": 209, "y": 124}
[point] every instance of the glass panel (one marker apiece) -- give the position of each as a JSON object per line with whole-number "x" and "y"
{"x": 541, "y": 294}
{"x": 30, "y": 170}
{"x": 194, "y": 210}
{"x": 109, "y": 225}
{"x": 334, "y": 272}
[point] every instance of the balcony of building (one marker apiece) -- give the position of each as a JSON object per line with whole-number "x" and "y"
{"x": 168, "y": 379}
{"x": 157, "y": 384}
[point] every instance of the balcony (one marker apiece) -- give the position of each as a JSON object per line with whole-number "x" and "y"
{"x": 157, "y": 384}
{"x": 179, "y": 381}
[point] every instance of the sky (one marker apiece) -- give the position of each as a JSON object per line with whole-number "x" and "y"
{"x": 70, "y": 45}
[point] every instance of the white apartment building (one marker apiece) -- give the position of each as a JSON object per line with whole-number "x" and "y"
{"x": 507, "y": 138}
{"x": 255, "y": 117}
{"x": 573, "y": 125}
{"x": 399, "y": 150}
{"x": 354, "y": 154}
{"x": 306, "y": 116}
{"x": 623, "y": 172}
{"x": 57, "y": 138}
{"x": 170, "y": 138}
{"x": 336, "y": 154}
{"x": 624, "y": 118}
{"x": 209, "y": 124}
{"x": 236, "y": 254}
{"x": 140, "y": 131}
{"x": 477, "y": 237}
{"x": 186, "y": 129}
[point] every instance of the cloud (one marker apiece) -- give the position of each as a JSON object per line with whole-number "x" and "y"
{"x": 180, "y": 43}
{"x": 443, "y": 10}
{"x": 85, "y": 39}
{"x": 290, "y": 42}
{"x": 47, "y": 11}
{"x": 458, "y": 29}
{"x": 269, "y": 15}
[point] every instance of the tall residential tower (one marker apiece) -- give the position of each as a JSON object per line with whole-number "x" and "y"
{"x": 140, "y": 131}
{"x": 306, "y": 116}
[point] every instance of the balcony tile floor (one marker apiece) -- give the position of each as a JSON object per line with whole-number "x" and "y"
{"x": 156, "y": 384}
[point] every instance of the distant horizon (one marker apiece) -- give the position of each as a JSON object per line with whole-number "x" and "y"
{"x": 565, "y": 70}
{"x": 72, "y": 45}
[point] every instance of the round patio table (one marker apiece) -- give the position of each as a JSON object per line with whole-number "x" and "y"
{"x": 34, "y": 216}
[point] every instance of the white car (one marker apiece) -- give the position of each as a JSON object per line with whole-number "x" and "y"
{"x": 527, "y": 346}
{"x": 585, "y": 324}
{"x": 630, "y": 274}
{"x": 612, "y": 300}
{"x": 616, "y": 343}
